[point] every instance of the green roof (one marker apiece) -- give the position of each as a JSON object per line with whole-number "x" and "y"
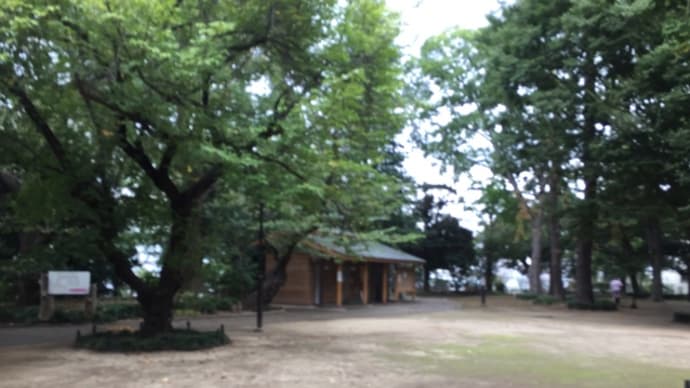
{"x": 365, "y": 250}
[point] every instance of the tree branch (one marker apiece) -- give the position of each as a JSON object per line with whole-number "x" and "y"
{"x": 518, "y": 194}
{"x": 88, "y": 93}
{"x": 257, "y": 40}
{"x": 201, "y": 186}
{"x": 137, "y": 153}
{"x": 280, "y": 163}
{"x": 41, "y": 124}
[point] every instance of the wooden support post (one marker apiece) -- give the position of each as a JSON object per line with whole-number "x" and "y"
{"x": 47, "y": 307}
{"x": 396, "y": 283}
{"x": 384, "y": 282}
{"x": 365, "y": 282}
{"x": 339, "y": 285}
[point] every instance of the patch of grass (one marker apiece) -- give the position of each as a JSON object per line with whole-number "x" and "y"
{"x": 125, "y": 341}
{"x": 512, "y": 361}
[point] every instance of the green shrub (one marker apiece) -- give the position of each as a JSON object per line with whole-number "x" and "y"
{"x": 526, "y": 296}
{"x": 225, "y": 304}
{"x": 116, "y": 311}
{"x": 598, "y": 305}
{"x": 205, "y": 304}
{"x": 26, "y": 314}
{"x": 499, "y": 286}
{"x": 69, "y": 316}
{"x": 681, "y": 317}
{"x": 6, "y": 314}
{"x": 125, "y": 341}
{"x": 675, "y": 296}
{"x": 185, "y": 313}
{"x": 546, "y": 300}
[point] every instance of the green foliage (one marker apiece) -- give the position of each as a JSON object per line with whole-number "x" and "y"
{"x": 526, "y": 296}
{"x": 588, "y": 131}
{"x": 547, "y": 300}
{"x": 106, "y": 312}
{"x": 444, "y": 245}
{"x": 111, "y": 312}
{"x": 681, "y": 317}
{"x": 205, "y": 304}
{"x": 126, "y": 341}
{"x": 499, "y": 286}
{"x": 167, "y": 123}
{"x": 27, "y": 314}
{"x": 598, "y": 305}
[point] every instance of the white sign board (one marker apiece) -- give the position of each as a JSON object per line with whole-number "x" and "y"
{"x": 69, "y": 282}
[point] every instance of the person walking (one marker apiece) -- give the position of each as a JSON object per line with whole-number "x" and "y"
{"x": 616, "y": 285}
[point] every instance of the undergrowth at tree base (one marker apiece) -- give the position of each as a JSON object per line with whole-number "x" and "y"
{"x": 128, "y": 341}
{"x": 598, "y": 305}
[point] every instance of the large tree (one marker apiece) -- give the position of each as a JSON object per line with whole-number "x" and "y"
{"x": 148, "y": 109}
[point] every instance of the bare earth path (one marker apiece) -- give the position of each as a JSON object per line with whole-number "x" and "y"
{"x": 432, "y": 342}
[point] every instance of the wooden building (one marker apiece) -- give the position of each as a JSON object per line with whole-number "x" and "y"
{"x": 321, "y": 272}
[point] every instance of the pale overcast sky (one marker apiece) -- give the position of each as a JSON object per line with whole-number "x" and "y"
{"x": 422, "y": 19}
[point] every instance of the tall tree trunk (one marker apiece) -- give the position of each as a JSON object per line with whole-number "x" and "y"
{"x": 653, "y": 229}
{"x": 554, "y": 226}
{"x": 583, "y": 272}
{"x": 535, "y": 267}
{"x": 587, "y": 219}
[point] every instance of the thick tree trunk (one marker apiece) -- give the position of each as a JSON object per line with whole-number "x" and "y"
{"x": 583, "y": 271}
{"x": 157, "y": 306}
{"x": 554, "y": 226}
{"x": 181, "y": 261}
{"x": 535, "y": 267}
{"x": 653, "y": 229}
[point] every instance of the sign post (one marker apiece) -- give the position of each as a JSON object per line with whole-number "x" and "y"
{"x": 70, "y": 283}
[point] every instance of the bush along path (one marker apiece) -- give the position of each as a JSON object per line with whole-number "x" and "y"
{"x": 130, "y": 341}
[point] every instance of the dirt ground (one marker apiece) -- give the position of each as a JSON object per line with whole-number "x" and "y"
{"x": 431, "y": 342}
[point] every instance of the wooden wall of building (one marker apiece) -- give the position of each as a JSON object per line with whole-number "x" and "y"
{"x": 405, "y": 280}
{"x": 299, "y": 286}
{"x": 328, "y": 282}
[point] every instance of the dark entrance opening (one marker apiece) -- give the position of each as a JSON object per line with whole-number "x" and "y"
{"x": 375, "y": 282}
